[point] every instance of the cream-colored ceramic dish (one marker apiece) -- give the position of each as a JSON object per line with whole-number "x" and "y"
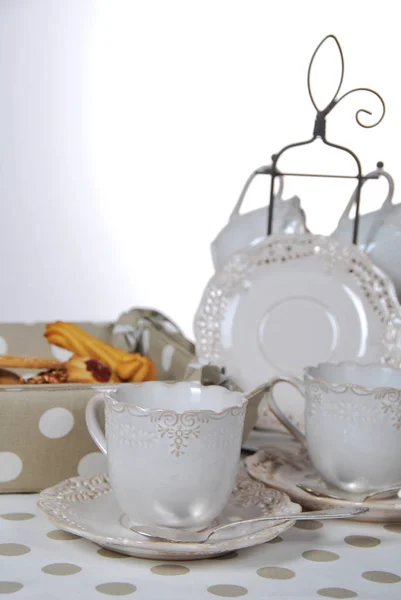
{"x": 284, "y": 463}
{"x": 87, "y": 507}
{"x": 292, "y": 302}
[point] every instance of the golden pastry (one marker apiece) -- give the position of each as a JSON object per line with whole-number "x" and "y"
{"x": 77, "y": 369}
{"x": 129, "y": 367}
{"x": 136, "y": 368}
{"x": 73, "y": 338}
{"x": 28, "y": 362}
{"x": 88, "y": 370}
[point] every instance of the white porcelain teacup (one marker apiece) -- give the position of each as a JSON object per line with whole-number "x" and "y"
{"x": 352, "y": 423}
{"x": 369, "y": 223}
{"x": 245, "y": 229}
{"x": 173, "y": 449}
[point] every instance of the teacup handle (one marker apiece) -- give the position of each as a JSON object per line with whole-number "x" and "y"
{"x": 92, "y": 421}
{"x": 385, "y": 207}
{"x": 261, "y": 171}
{"x": 278, "y": 413}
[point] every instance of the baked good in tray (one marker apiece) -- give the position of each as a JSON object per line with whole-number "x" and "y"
{"x": 92, "y": 362}
{"x": 8, "y": 377}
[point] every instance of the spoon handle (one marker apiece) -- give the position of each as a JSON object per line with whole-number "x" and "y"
{"x": 351, "y": 496}
{"x": 170, "y": 534}
{"x": 335, "y": 513}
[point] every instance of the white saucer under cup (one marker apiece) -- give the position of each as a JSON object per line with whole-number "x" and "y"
{"x": 87, "y": 506}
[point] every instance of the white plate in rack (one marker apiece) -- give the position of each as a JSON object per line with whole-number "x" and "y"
{"x": 293, "y": 301}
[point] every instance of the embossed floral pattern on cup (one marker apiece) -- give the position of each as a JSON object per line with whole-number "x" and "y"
{"x": 179, "y": 428}
{"x": 387, "y": 405}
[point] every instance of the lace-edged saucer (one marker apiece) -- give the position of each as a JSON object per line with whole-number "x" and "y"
{"x": 293, "y": 301}
{"x": 86, "y": 506}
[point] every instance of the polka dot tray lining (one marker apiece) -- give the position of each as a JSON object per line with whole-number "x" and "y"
{"x": 43, "y": 435}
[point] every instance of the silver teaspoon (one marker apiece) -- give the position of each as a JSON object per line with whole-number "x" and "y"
{"x": 170, "y": 534}
{"x": 351, "y": 496}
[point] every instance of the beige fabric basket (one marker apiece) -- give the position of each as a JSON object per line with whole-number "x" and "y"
{"x": 43, "y": 435}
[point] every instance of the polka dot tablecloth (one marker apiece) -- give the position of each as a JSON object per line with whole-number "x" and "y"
{"x": 329, "y": 559}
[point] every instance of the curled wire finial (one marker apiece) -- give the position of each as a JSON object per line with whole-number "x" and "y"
{"x": 322, "y": 113}
{"x": 363, "y": 110}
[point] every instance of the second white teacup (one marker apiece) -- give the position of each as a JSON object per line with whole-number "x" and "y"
{"x": 172, "y": 449}
{"x": 352, "y": 423}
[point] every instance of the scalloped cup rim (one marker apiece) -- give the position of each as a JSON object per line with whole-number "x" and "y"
{"x": 357, "y": 368}
{"x": 136, "y": 406}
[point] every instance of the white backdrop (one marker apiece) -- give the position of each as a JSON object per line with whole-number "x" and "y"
{"x": 127, "y": 130}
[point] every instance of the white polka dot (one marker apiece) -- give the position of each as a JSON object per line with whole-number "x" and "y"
{"x": 145, "y": 341}
{"x": 92, "y": 464}
{"x": 60, "y": 353}
{"x": 167, "y": 357}
{"x": 10, "y": 466}
{"x": 3, "y": 345}
{"x": 56, "y": 423}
